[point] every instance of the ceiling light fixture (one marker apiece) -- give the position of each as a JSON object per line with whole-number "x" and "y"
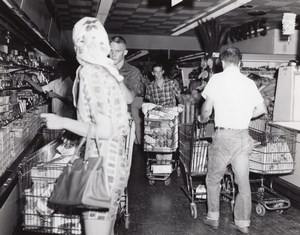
{"x": 220, "y": 9}
{"x": 8, "y": 3}
{"x": 191, "y": 57}
{"x": 137, "y": 55}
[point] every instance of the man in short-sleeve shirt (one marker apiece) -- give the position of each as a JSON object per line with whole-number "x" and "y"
{"x": 133, "y": 80}
{"x": 163, "y": 91}
{"x": 61, "y": 94}
{"x": 235, "y": 99}
{"x": 59, "y": 90}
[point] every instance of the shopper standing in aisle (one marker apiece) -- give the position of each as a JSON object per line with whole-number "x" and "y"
{"x": 133, "y": 80}
{"x": 235, "y": 100}
{"x": 163, "y": 91}
{"x": 59, "y": 90}
{"x": 102, "y": 106}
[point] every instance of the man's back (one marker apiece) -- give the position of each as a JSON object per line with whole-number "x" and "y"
{"x": 234, "y": 96}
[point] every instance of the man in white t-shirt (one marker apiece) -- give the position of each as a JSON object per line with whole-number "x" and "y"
{"x": 60, "y": 91}
{"x": 235, "y": 99}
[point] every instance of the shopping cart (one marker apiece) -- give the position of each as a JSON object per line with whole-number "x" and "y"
{"x": 194, "y": 140}
{"x": 273, "y": 155}
{"x": 38, "y": 174}
{"x": 123, "y": 211}
{"x": 160, "y": 144}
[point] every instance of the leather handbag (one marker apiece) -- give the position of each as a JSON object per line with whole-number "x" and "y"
{"x": 83, "y": 183}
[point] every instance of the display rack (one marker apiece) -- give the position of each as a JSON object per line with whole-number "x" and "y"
{"x": 19, "y": 125}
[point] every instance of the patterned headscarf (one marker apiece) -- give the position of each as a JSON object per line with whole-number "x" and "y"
{"x": 92, "y": 44}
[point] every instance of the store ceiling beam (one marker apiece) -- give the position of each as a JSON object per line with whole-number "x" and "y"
{"x": 221, "y": 8}
{"x": 103, "y": 11}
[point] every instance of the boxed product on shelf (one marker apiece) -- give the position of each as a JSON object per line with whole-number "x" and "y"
{"x": 4, "y": 108}
{"x": 4, "y": 100}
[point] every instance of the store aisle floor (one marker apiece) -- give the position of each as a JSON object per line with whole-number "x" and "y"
{"x": 164, "y": 210}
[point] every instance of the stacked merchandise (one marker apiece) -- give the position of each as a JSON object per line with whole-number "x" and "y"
{"x": 15, "y": 136}
{"x": 161, "y": 130}
{"x": 199, "y": 162}
{"x": 273, "y": 153}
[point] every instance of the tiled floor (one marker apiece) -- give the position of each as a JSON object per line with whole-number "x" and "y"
{"x": 164, "y": 210}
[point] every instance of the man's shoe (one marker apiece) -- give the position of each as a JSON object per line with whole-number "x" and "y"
{"x": 211, "y": 223}
{"x": 243, "y": 230}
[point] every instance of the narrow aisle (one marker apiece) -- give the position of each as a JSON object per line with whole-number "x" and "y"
{"x": 164, "y": 210}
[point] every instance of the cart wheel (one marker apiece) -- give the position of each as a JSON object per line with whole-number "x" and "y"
{"x": 225, "y": 199}
{"x": 151, "y": 182}
{"x": 279, "y": 211}
{"x": 127, "y": 220}
{"x": 178, "y": 171}
{"x": 260, "y": 209}
{"x": 261, "y": 190}
{"x": 193, "y": 210}
{"x": 167, "y": 181}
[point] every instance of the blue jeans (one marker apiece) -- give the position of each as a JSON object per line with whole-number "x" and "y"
{"x": 230, "y": 147}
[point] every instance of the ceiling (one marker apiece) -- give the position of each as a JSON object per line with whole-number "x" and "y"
{"x": 157, "y": 17}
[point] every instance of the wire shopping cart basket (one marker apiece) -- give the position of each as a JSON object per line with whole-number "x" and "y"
{"x": 38, "y": 174}
{"x": 161, "y": 141}
{"x": 194, "y": 141}
{"x": 123, "y": 210}
{"x": 273, "y": 155}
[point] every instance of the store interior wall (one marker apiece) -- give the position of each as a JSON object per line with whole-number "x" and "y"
{"x": 284, "y": 46}
{"x": 146, "y": 42}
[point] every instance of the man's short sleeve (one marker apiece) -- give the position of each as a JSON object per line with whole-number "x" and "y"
{"x": 49, "y": 86}
{"x": 208, "y": 91}
{"x": 133, "y": 79}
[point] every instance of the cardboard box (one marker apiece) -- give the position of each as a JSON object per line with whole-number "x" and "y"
{"x": 161, "y": 169}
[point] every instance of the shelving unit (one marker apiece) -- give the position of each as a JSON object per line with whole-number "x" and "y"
{"x": 262, "y": 73}
{"x": 18, "y": 125}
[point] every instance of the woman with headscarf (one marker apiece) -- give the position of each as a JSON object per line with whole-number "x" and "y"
{"x": 102, "y": 104}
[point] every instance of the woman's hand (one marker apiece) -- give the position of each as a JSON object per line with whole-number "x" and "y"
{"x": 52, "y": 121}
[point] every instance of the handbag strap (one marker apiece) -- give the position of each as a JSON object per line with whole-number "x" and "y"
{"x": 88, "y": 143}
{"x": 101, "y": 159}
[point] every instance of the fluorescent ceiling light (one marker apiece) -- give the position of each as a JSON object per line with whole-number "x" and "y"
{"x": 103, "y": 11}
{"x": 191, "y": 57}
{"x": 220, "y": 9}
{"x": 8, "y": 3}
{"x": 137, "y": 55}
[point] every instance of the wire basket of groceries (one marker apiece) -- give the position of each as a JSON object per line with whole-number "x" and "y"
{"x": 38, "y": 175}
{"x": 161, "y": 129}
